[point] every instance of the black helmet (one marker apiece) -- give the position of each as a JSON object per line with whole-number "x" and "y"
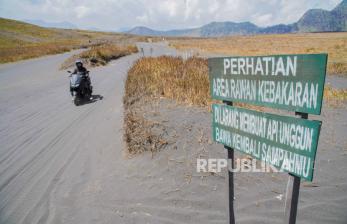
{"x": 78, "y": 62}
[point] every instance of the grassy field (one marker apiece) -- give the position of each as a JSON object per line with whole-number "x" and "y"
{"x": 335, "y": 44}
{"x": 19, "y": 40}
{"x": 100, "y": 55}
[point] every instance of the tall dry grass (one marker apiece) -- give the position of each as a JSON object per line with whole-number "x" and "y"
{"x": 171, "y": 77}
{"x": 149, "y": 79}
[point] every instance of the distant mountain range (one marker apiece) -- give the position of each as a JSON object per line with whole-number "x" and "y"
{"x": 314, "y": 20}
{"x": 68, "y": 25}
{"x": 62, "y": 25}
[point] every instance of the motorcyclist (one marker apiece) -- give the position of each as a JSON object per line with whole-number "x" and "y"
{"x": 80, "y": 69}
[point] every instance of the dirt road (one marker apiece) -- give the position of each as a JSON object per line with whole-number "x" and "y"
{"x": 65, "y": 164}
{"x": 59, "y": 163}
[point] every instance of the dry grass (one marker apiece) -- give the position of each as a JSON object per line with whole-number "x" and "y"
{"x": 334, "y": 97}
{"x": 25, "y": 51}
{"x": 152, "y": 78}
{"x": 170, "y": 77}
{"x": 100, "y": 55}
{"x": 19, "y": 40}
{"x": 335, "y": 44}
{"x": 141, "y": 135}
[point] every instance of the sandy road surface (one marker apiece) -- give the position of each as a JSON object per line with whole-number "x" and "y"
{"x": 65, "y": 164}
{"x": 59, "y": 163}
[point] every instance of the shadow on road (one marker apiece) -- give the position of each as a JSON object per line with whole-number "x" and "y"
{"x": 94, "y": 99}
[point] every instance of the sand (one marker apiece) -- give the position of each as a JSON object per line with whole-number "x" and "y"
{"x": 65, "y": 164}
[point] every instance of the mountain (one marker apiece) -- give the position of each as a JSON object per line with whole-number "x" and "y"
{"x": 279, "y": 29}
{"x": 210, "y": 30}
{"x": 228, "y": 28}
{"x": 314, "y": 20}
{"x": 62, "y": 25}
{"x": 141, "y": 30}
{"x": 319, "y": 20}
{"x": 123, "y": 29}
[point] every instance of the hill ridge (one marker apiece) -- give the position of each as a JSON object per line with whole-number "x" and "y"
{"x": 313, "y": 20}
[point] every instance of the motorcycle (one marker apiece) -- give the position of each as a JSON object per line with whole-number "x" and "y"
{"x": 80, "y": 87}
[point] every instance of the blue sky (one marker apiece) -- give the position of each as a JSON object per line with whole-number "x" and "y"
{"x": 160, "y": 14}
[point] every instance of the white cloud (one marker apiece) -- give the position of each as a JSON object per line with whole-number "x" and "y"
{"x": 142, "y": 19}
{"x": 265, "y": 19}
{"x": 160, "y": 14}
{"x": 168, "y": 7}
{"x": 81, "y": 11}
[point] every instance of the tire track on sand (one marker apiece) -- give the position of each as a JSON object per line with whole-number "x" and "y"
{"x": 44, "y": 150}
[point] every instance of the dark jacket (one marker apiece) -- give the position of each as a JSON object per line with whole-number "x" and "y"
{"x": 80, "y": 70}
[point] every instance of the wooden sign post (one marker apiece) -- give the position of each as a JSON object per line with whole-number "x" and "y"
{"x": 292, "y": 193}
{"x": 289, "y": 82}
{"x": 231, "y": 178}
